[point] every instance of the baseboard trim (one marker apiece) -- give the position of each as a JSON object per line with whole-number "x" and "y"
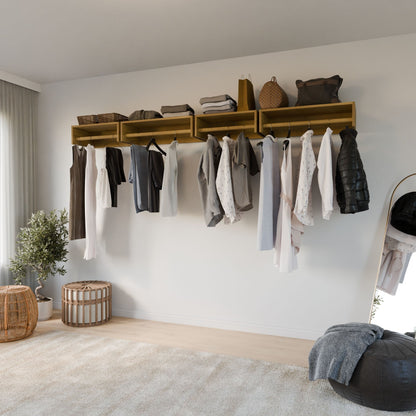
{"x": 251, "y": 327}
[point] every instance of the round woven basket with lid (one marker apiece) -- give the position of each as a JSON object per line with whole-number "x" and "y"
{"x": 272, "y": 95}
{"x": 18, "y": 312}
{"x": 86, "y": 303}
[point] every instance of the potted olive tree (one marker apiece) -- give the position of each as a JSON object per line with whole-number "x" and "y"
{"x": 42, "y": 248}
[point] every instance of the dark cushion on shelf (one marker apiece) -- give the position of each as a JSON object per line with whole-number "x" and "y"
{"x": 318, "y": 90}
{"x": 385, "y": 376}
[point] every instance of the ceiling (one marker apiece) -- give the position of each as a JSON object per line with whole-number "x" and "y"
{"x": 53, "y": 40}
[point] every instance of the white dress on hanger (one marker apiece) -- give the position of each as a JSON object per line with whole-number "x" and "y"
{"x": 303, "y": 205}
{"x": 285, "y": 251}
{"x": 224, "y": 182}
{"x": 169, "y": 191}
{"x": 325, "y": 175}
{"x": 90, "y": 205}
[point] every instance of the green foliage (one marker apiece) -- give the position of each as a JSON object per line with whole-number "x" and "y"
{"x": 41, "y": 246}
{"x": 377, "y": 301}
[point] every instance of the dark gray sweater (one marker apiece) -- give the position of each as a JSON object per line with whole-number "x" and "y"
{"x": 336, "y": 354}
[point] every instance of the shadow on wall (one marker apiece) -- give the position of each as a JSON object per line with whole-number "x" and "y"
{"x": 189, "y": 201}
{"x": 122, "y": 301}
{"x": 115, "y": 234}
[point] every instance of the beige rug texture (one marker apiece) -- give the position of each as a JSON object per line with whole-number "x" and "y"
{"x": 63, "y": 373}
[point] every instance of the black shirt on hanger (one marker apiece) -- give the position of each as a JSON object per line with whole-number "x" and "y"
{"x": 155, "y": 179}
{"x": 114, "y": 165}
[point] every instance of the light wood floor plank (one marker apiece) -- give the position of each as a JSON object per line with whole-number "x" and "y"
{"x": 239, "y": 344}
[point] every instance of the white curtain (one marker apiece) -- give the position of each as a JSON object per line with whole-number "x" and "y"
{"x": 18, "y": 125}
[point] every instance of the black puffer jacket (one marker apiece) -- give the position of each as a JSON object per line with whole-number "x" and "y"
{"x": 350, "y": 179}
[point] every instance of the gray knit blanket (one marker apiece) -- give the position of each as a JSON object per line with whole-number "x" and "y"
{"x": 336, "y": 354}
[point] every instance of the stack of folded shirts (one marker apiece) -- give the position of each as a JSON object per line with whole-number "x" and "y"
{"x": 218, "y": 104}
{"x": 180, "y": 110}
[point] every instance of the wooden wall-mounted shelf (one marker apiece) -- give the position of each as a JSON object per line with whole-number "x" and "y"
{"x": 231, "y": 124}
{"x": 317, "y": 117}
{"x": 191, "y": 129}
{"x": 162, "y": 129}
{"x": 97, "y": 134}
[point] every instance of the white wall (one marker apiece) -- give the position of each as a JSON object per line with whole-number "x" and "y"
{"x": 177, "y": 270}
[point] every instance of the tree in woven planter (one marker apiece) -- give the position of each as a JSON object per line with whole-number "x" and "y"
{"x": 42, "y": 248}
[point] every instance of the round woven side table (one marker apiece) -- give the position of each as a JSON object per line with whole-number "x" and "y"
{"x": 86, "y": 303}
{"x": 18, "y": 312}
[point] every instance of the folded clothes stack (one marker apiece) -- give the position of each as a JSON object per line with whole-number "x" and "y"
{"x": 180, "y": 110}
{"x": 218, "y": 104}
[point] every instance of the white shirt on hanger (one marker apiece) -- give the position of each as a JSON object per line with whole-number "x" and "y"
{"x": 169, "y": 191}
{"x": 103, "y": 189}
{"x": 325, "y": 175}
{"x": 303, "y": 205}
{"x": 285, "y": 251}
{"x": 90, "y": 204}
{"x": 103, "y": 183}
{"x": 224, "y": 182}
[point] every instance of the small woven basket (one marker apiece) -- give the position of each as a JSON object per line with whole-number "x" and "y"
{"x": 89, "y": 119}
{"x": 111, "y": 117}
{"x": 86, "y": 303}
{"x": 272, "y": 95}
{"x": 18, "y": 312}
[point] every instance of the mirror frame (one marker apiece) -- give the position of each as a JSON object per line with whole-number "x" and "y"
{"x": 385, "y": 233}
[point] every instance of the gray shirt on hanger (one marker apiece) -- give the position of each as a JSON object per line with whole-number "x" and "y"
{"x": 207, "y": 173}
{"x": 244, "y": 164}
{"x": 138, "y": 176}
{"x": 269, "y": 198}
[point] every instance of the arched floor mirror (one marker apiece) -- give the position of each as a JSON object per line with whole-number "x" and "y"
{"x": 394, "y": 306}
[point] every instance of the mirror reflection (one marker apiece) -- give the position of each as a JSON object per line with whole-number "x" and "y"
{"x": 394, "y": 302}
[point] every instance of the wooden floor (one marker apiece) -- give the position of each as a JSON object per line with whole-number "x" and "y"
{"x": 240, "y": 344}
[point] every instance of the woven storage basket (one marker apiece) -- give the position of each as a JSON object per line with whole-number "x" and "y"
{"x": 111, "y": 117}
{"x": 86, "y": 303}
{"x": 18, "y": 312}
{"x": 272, "y": 95}
{"x": 90, "y": 119}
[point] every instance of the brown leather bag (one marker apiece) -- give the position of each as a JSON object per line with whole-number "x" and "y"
{"x": 272, "y": 95}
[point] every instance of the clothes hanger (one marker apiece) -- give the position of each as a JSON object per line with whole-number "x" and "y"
{"x": 286, "y": 144}
{"x": 153, "y": 141}
{"x": 287, "y": 140}
{"x": 289, "y": 132}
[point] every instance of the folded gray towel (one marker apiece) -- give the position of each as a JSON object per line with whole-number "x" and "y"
{"x": 144, "y": 115}
{"x": 336, "y": 354}
{"x": 219, "y": 107}
{"x": 181, "y": 114}
{"x": 230, "y": 110}
{"x": 176, "y": 108}
{"x": 215, "y": 99}
{"x": 218, "y": 103}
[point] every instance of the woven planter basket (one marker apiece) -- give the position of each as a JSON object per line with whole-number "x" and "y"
{"x": 86, "y": 303}
{"x": 272, "y": 95}
{"x": 18, "y": 312}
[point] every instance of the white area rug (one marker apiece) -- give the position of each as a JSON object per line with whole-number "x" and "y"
{"x": 63, "y": 373}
